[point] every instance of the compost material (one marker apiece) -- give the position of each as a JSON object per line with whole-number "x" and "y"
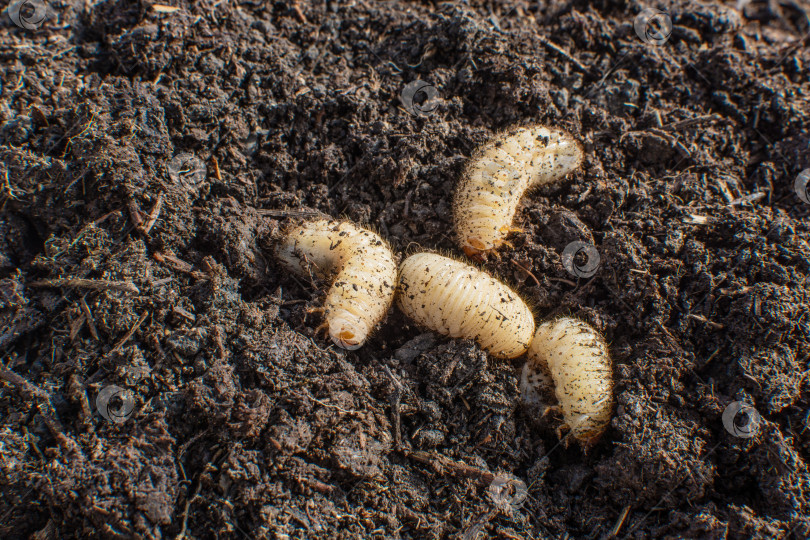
{"x": 149, "y": 156}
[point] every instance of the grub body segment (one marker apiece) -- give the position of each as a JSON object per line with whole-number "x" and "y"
{"x": 495, "y": 180}
{"x": 362, "y": 268}
{"x": 569, "y": 362}
{"x": 461, "y": 301}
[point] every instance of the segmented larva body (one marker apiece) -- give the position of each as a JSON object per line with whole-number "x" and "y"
{"x": 364, "y": 270}
{"x": 569, "y": 360}
{"x": 461, "y": 301}
{"x": 493, "y": 183}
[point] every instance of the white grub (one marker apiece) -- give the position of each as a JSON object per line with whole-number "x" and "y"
{"x": 363, "y": 268}
{"x": 460, "y": 301}
{"x": 568, "y": 361}
{"x": 495, "y": 180}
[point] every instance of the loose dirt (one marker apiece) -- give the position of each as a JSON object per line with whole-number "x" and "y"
{"x": 245, "y": 423}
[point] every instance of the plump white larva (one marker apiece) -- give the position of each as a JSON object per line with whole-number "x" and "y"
{"x": 568, "y": 360}
{"x": 494, "y": 181}
{"x": 364, "y": 270}
{"x": 461, "y": 301}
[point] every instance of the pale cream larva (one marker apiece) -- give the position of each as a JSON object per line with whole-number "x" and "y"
{"x": 364, "y": 271}
{"x": 568, "y": 362}
{"x": 461, "y": 301}
{"x": 495, "y": 179}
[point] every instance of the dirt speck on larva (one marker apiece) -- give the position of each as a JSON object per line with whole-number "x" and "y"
{"x": 243, "y": 422}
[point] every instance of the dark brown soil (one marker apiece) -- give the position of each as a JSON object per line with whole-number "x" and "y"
{"x": 248, "y": 424}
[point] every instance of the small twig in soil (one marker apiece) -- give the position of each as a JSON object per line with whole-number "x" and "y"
{"x": 7, "y": 188}
{"x": 91, "y": 323}
{"x": 160, "y": 8}
{"x": 710, "y": 358}
{"x": 178, "y": 264}
{"x": 105, "y": 217}
{"x": 153, "y": 215}
{"x": 182, "y": 533}
{"x": 536, "y": 281}
{"x": 560, "y": 51}
{"x": 622, "y": 517}
{"x": 217, "y": 172}
{"x": 396, "y": 400}
{"x": 442, "y": 465}
{"x": 317, "y": 485}
{"x": 28, "y": 389}
{"x": 695, "y": 219}
{"x": 298, "y": 13}
{"x": 702, "y": 319}
{"x": 95, "y": 284}
{"x": 174, "y": 262}
{"x": 561, "y": 280}
{"x": 129, "y": 334}
{"x": 184, "y": 313}
{"x": 330, "y": 406}
{"x": 752, "y": 379}
{"x": 748, "y": 199}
